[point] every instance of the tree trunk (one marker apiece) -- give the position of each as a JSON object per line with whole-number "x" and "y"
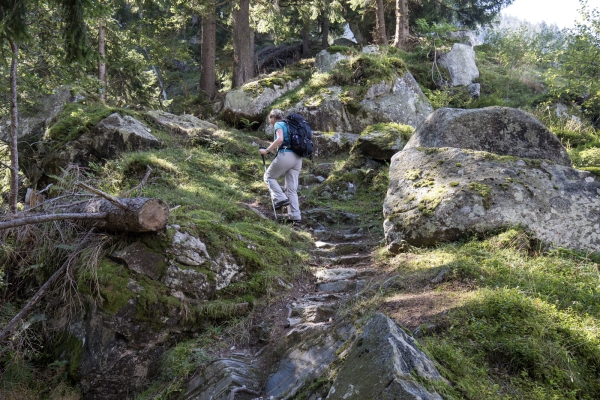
{"x": 380, "y": 18}
{"x": 14, "y": 129}
{"x": 325, "y": 33}
{"x": 102, "y": 62}
{"x": 306, "y": 39}
{"x": 141, "y": 214}
{"x": 243, "y": 68}
{"x": 209, "y": 44}
{"x": 137, "y": 214}
{"x": 401, "y": 39}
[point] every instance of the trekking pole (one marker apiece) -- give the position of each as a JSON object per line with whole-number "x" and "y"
{"x": 272, "y": 202}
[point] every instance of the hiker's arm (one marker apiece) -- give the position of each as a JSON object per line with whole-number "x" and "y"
{"x": 275, "y": 144}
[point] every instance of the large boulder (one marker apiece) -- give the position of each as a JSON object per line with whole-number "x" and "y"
{"x": 399, "y": 100}
{"x": 447, "y": 194}
{"x": 36, "y": 122}
{"x": 326, "y": 61}
{"x": 381, "y": 365}
{"x": 186, "y": 124}
{"x": 499, "y": 130}
{"x": 331, "y": 143}
{"x": 112, "y": 136}
{"x": 460, "y": 63}
{"x": 383, "y": 141}
{"x": 250, "y": 101}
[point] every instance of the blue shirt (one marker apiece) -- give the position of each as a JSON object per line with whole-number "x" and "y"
{"x": 286, "y": 136}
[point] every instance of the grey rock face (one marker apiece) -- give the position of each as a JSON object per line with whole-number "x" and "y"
{"x": 251, "y": 100}
{"x": 112, "y": 136}
{"x": 188, "y": 250}
{"x": 189, "y": 281}
{"x": 380, "y": 146}
{"x": 325, "y": 61}
{"x": 118, "y": 352}
{"x": 380, "y": 364}
{"x": 140, "y": 259}
{"x": 460, "y": 62}
{"x": 313, "y": 354}
{"x": 498, "y": 130}
{"x": 474, "y": 90}
{"x": 36, "y": 124}
{"x": 446, "y": 194}
{"x": 404, "y": 103}
{"x": 184, "y": 124}
{"x": 330, "y": 143}
{"x": 400, "y": 100}
{"x": 221, "y": 376}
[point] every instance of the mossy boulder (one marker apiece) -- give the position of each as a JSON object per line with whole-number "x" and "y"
{"x": 325, "y": 60}
{"x": 350, "y": 110}
{"x": 381, "y": 141}
{"x": 108, "y": 139}
{"x": 448, "y": 194}
{"x": 498, "y": 130}
{"x": 186, "y": 124}
{"x": 249, "y": 102}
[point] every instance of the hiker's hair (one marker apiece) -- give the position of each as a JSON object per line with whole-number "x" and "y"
{"x": 277, "y": 114}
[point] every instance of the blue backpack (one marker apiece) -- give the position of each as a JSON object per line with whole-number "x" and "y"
{"x": 300, "y": 135}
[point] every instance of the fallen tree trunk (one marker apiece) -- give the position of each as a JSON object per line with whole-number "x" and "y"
{"x": 137, "y": 214}
{"x": 142, "y": 214}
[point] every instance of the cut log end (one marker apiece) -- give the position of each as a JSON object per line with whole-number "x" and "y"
{"x": 153, "y": 215}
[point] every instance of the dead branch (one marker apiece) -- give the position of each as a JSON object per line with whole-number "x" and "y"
{"x": 40, "y": 293}
{"x": 141, "y": 184}
{"x": 38, "y": 219}
{"x": 107, "y": 196}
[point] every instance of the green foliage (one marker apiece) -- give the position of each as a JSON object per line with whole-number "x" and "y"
{"x": 390, "y": 127}
{"x": 77, "y": 119}
{"x": 527, "y": 326}
{"x": 578, "y": 64}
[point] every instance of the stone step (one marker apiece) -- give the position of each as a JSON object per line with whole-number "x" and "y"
{"x": 345, "y": 285}
{"x": 325, "y": 249}
{"x": 351, "y": 259}
{"x": 334, "y": 274}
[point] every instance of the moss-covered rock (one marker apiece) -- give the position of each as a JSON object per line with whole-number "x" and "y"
{"x": 381, "y": 141}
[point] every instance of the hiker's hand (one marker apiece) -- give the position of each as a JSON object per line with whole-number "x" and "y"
{"x": 263, "y": 151}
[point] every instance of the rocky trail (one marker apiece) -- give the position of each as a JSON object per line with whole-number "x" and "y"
{"x": 303, "y": 336}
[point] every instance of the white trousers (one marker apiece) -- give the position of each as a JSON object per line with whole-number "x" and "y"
{"x": 290, "y": 164}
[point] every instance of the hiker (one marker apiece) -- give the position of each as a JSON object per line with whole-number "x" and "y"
{"x": 287, "y": 162}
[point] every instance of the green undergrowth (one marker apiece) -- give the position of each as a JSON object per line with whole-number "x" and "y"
{"x": 354, "y": 75}
{"x": 353, "y": 187}
{"x": 526, "y": 326}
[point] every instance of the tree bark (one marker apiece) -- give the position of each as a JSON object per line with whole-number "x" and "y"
{"x": 401, "y": 39}
{"x": 380, "y": 18}
{"x": 243, "y": 68}
{"x": 209, "y": 45}
{"x": 14, "y": 129}
{"x": 325, "y": 33}
{"x": 306, "y": 39}
{"x": 102, "y": 62}
{"x": 140, "y": 215}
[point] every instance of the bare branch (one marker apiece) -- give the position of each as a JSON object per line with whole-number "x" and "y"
{"x": 107, "y": 196}
{"x": 142, "y": 183}
{"x": 36, "y": 219}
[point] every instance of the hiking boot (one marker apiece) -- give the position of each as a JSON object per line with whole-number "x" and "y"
{"x": 282, "y": 203}
{"x": 293, "y": 222}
